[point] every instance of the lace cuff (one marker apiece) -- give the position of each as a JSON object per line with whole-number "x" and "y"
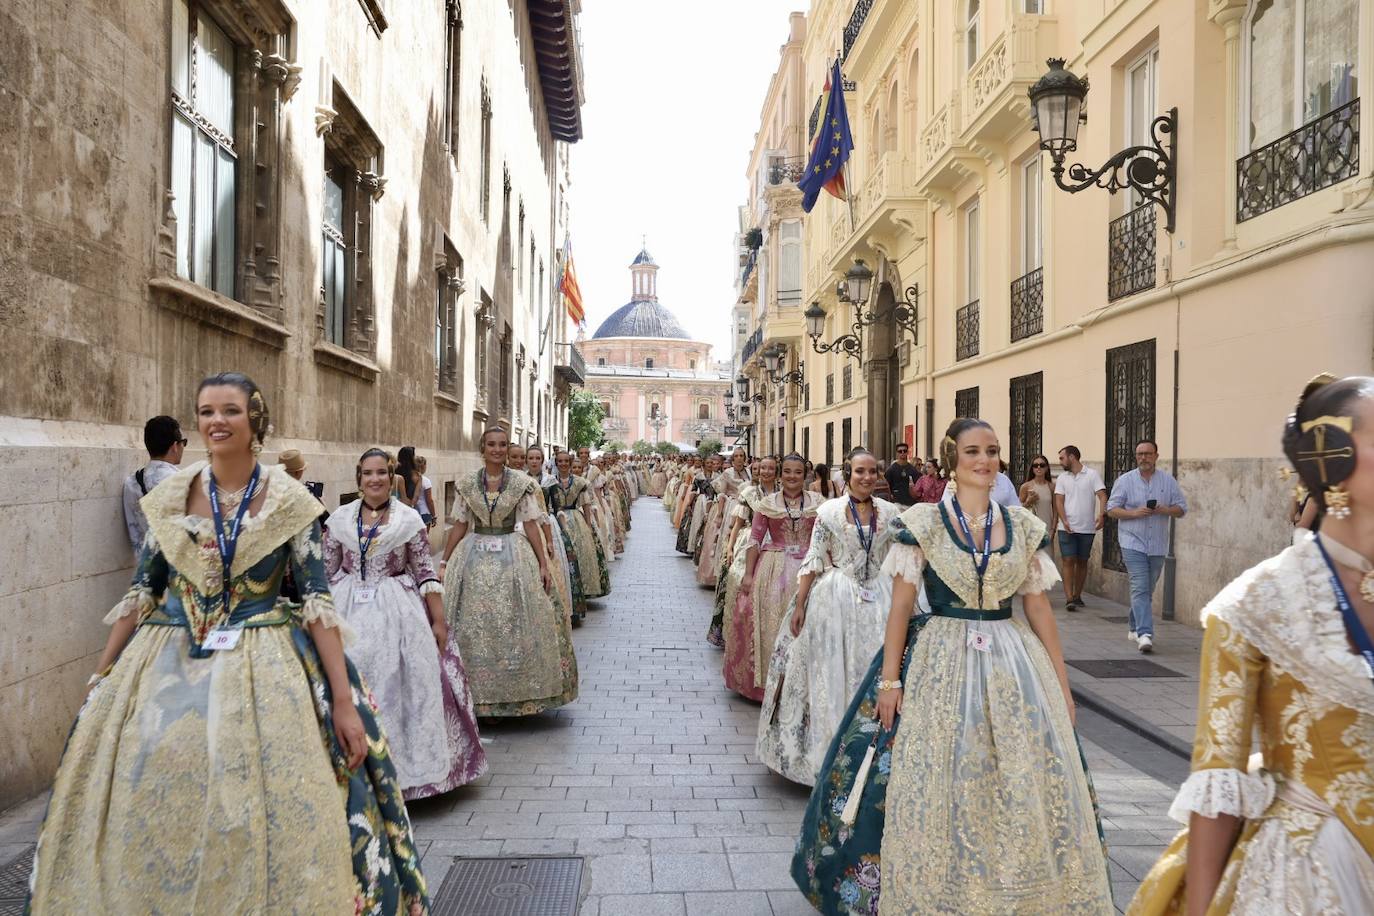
{"x": 1223, "y": 791}
{"x": 527, "y": 510}
{"x": 1042, "y": 576}
{"x": 321, "y": 608}
{"x": 815, "y": 562}
{"x": 137, "y": 601}
{"x": 905, "y": 561}
{"x": 431, "y": 587}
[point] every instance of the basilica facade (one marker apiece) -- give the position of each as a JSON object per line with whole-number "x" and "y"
{"x": 654, "y": 382}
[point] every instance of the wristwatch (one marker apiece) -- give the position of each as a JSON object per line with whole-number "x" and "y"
{"x": 889, "y": 685}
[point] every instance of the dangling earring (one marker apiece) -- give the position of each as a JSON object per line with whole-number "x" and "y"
{"x": 257, "y": 448}
{"x": 1337, "y": 502}
{"x": 953, "y": 486}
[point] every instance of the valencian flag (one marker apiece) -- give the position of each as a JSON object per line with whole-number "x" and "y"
{"x": 830, "y": 147}
{"x": 572, "y": 293}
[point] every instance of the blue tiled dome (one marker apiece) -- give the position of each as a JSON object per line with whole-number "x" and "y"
{"x": 642, "y": 318}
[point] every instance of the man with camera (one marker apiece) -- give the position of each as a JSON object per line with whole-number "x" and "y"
{"x": 1142, "y": 502}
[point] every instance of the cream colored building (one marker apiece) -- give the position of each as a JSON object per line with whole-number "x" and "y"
{"x": 359, "y": 204}
{"x": 654, "y": 383}
{"x": 1078, "y": 318}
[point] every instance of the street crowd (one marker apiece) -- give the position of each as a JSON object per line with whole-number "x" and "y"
{"x": 868, "y": 610}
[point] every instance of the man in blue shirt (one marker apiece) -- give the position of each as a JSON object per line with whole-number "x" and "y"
{"x": 1142, "y": 502}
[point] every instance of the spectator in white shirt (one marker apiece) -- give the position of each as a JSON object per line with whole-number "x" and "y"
{"x": 425, "y": 503}
{"x": 1080, "y": 498}
{"x": 165, "y": 444}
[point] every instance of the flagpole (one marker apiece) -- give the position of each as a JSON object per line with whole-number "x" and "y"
{"x": 848, "y": 188}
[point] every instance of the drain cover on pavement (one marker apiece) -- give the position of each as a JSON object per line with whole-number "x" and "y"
{"x": 510, "y": 887}
{"x": 1121, "y": 667}
{"x": 14, "y": 883}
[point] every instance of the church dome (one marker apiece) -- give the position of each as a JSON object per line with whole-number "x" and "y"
{"x": 642, "y": 318}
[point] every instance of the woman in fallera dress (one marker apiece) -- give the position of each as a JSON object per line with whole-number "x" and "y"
{"x": 968, "y": 794}
{"x": 821, "y": 646}
{"x": 1288, "y": 651}
{"x": 226, "y": 759}
{"x": 517, "y": 645}
{"x": 727, "y": 487}
{"x": 377, "y": 558}
{"x": 570, "y": 503}
{"x": 778, "y": 536}
{"x": 560, "y": 566}
{"x": 764, "y": 474}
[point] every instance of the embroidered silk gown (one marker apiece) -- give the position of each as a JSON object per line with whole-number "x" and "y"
{"x": 516, "y": 644}
{"x": 422, "y": 695}
{"x": 732, "y": 565}
{"x": 727, "y": 486}
{"x": 810, "y": 678}
{"x": 782, "y": 535}
{"x": 981, "y": 801}
{"x": 212, "y": 782}
{"x": 567, "y": 499}
{"x": 1276, "y": 655}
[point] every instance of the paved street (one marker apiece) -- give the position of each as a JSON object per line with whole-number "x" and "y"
{"x": 651, "y": 774}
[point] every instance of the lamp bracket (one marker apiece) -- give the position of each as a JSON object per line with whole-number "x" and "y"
{"x": 1150, "y": 171}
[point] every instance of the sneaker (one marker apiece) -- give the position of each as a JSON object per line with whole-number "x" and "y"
{"x": 1133, "y": 636}
{"x": 1145, "y": 644}
{"x": 1071, "y": 605}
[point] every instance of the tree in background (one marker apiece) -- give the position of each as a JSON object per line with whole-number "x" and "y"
{"x": 667, "y": 448}
{"x": 709, "y": 447}
{"x": 642, "y": 448}
{"x": 584, "y": 421}
{"x": 615, "y": 445}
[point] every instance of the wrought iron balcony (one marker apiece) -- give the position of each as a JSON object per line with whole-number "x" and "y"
{"x": 572, "y": 368}
{"x": 1028, "y": 304}
{"x": 786, "y": 171}
{"x": 966, "y": 331}
{"x": 856, "y": 24}
{"x": 751, "y": 345}
{"x": 1315, "y": 156}
{"x": 1131, "y": 252}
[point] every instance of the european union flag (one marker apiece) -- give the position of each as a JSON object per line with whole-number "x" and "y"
{"x": 830, "y": 147}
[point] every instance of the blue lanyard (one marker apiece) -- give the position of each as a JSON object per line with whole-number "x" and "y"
{"x": 865, "y": 542}
{"x": 1358, "y": 634}
{"x": 980, "y": 564}
{"x": 229, "y": 544}
{"x": 491, "y": 503}
{"x": 365, "y": 545}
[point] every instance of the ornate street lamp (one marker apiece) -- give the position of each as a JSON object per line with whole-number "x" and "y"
{"x": 858, "y": 281}
{"x": 656, "y": 422}
{"x": 742, "y": 382}
{"x": 849, "y": 344}
{"x": 1056, "y": 111}
{"x": 856, "y": 288}
{"x": 774, "y": 358}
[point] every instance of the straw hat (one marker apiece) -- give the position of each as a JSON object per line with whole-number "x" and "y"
{"x": 292, "y": 459}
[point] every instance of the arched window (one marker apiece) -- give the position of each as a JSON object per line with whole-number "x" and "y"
{"x": 606, "y": 408}
{"x": 649, "y": 363}
{"x": 692, "y": 363}
{"x": 1302, "y": 62}
{"x": 601, "y": 360}
{"x": 972, "y": 42}
{"x": 913, "y": 94}
{"x": 894, "y": 117}
{"x": 655, "y": 410}
{"x": 704, "y": 410}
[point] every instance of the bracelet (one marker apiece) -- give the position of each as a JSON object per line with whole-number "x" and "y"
{"x": 889, "y": 685}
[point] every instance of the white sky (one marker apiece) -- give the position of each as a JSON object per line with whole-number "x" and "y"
{"x": 674, "y": 92}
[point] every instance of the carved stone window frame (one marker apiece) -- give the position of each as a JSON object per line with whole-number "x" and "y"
{"x": 484, "y": 320}
{"x": 449, "y": 287}
{"x": 356, "y": 157}
{"x": 264, "y": 82}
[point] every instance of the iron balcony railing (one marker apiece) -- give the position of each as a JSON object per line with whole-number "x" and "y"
{"x": 751, "y": 345}
{"x": 786, "y": 171}
{"x": 750, "y": 260}
{"x": 1315, "y": 156}
{"x": 572, "y": 369}
{"x": 1131, "y": 252}
{"x": 1028, "y": 304}
{"x": 966, "y": 331}
{"x": 856, "y": 24}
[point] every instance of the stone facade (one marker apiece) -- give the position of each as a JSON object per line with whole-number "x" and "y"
{"x": 433, "y": 122}
{"x": 1080, "y": 318}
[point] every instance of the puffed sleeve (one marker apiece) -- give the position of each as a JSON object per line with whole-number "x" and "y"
{"x": 420, "y": 564}
{"x": 743, "y": 511}
{"x": 527, "y": 509}
{"x": 1230, "y": 678}
{"x": 1041, "y": 576}
{"x": 818, "y": 554}
{"x": 333, "y": 556}
{"x": 307, "y": 570}
{"x": 460, "y": 511}
{"x": 149, "y": 582}
{"x": 905, "y": 560}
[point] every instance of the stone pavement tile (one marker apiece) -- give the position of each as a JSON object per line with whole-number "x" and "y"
{"x": 642, "y": 905}
{"x": 682, "y": 845}
{"x": 448, "y": 849}
{"x": 738, "y": 844}
{"x": 790, "y": 903}
{"x": 537, "y": 847}
{"x": 620, "y": 874}
{"x": 728, "y": 903}
{"x": 624, "y": 846}
{"x": 1136, "y": 860}
{"x": 658, "y": 831}
{"x": 691, "y": 872}
{"x": 761, "y": 871}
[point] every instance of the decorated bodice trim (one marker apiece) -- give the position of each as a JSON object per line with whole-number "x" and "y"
{"x": 949, "y": 575}
{"x": 502, "y": 513}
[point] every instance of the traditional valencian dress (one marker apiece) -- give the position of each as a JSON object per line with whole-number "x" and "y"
{"x": 517, "y": 645}
{"x": 981, "y": 800}
{"x": 732, "y": 568}
{"x": 781, "y": 532}
{"x": 567, "y": 595}
{"x": 211, "y": 781}
{"x": 422, "y": 695}
{"x": 727, "y": 487}
{"x": 1276, "y": 655}
{"x": 567, "y": 500}
{"x": 811, "y": 677}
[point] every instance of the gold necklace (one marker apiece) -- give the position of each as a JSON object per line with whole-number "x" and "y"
{"x": 1353, "y": 560}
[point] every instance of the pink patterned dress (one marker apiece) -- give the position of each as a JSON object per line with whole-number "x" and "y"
{"x": 422, "y": 694}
